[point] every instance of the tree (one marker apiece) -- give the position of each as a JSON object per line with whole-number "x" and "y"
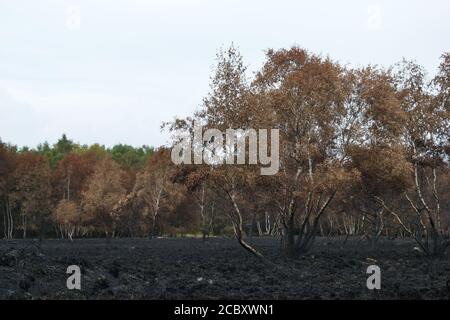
{"x": 70, "y": 175}
{"x": 32, "y": 192}
{"x": 7, "y": 168}
{"x": 130, "y": 157}
{"x": 227, "y": 106}
{"x": 102, "y": 194}
{"x": 425, "y": 137}
{"x": 304, "y": 96}
{"x": 56, "y": 153}
{"x": 67, "y": 216}
{"x": 203, "y": 197}
{"x": 153, "y": 192}
{"x": 377, "y": 153}
{"x": 384, "y": 174}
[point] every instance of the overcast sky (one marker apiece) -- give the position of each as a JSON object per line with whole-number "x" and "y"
{"x": 112, "y": 71}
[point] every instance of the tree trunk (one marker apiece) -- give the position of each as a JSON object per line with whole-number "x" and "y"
{"x": 238, "y": 231}
{"x": 24, "y": 226}
{"x": 153, "y": 228}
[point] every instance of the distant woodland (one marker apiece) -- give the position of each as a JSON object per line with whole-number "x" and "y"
{"x": 364, "y": 152}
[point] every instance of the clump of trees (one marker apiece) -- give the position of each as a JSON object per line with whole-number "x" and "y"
{"x": 363, "y": 152}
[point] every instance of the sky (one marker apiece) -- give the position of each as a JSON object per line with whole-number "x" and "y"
{"x": 111, "y": 72}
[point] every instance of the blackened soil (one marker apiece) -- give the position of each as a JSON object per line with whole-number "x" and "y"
{"x": 217, "y": 269}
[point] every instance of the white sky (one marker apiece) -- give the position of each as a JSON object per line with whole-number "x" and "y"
{"x": 113, "y": 75}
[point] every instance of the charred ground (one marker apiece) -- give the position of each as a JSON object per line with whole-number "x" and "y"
{"x": 216, "y": 269}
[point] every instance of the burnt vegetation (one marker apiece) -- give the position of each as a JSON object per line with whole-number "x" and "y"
{"x": 364, "y": 155}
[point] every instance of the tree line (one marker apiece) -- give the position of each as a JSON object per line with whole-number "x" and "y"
{"x": 363, "y": 152}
